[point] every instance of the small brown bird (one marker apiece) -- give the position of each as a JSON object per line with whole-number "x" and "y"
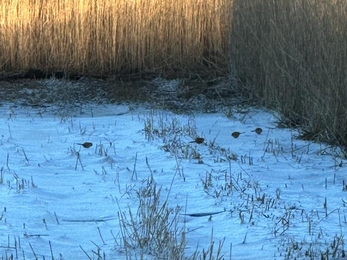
{"x": 236, "y": 134}
{"x": 198, "y": 140}
{"x": 86, "y": 144}
{"x": 258, "y": 130}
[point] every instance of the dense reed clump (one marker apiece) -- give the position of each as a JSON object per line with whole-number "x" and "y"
{"x": 106, "y": 36}
{"x": 293, "y": 54}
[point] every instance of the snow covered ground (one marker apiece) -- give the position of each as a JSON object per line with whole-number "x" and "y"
{"x": 267, "y": 196}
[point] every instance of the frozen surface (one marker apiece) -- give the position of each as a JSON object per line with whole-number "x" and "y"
{"x": 279, "y": 196}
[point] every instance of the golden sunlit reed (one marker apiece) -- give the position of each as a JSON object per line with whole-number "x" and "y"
{"x": 291, "y": 55}
{"x": 107, "y": 36}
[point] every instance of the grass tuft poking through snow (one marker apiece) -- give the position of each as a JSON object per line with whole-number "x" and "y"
{"x": 153, "y": 229}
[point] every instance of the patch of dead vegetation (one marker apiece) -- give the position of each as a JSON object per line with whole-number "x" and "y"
{"x": 178, "y": 95}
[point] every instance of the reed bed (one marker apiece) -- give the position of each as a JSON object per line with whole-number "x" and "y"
{"x": 106, "y": 36}
{"x": 293, "y": 55}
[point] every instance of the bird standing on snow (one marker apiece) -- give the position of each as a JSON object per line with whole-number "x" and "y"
{"x": 236, "y": 134}
{"x": 198, "y": 140}
{"x": 86, "y": 144}
{"x": 258, "y": 130}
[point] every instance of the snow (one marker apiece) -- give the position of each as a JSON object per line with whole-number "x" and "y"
{"x": 274, "y": 196}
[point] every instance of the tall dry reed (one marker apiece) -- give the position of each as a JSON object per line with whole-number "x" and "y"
{"x": 108, "y": 36}
{"x": 293, "y": 54}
